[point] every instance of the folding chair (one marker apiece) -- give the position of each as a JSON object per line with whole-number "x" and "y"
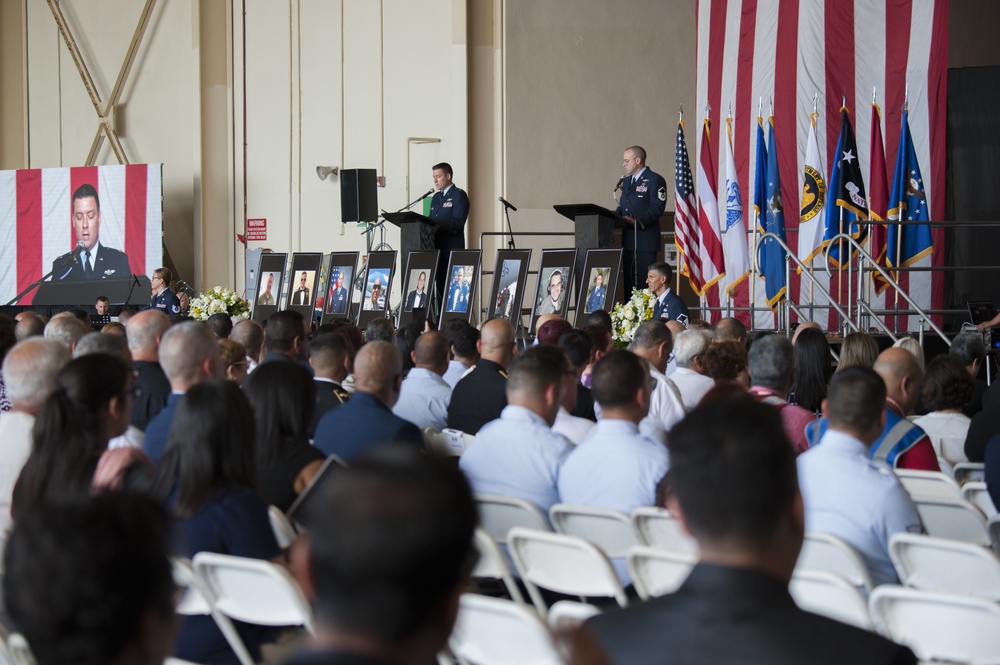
{"x": 565, "y": 564}
{"x": 825, "y": 552}
{"x": 492, "y": 564}
{"x": 656, "y": 572}
{"x": 494, "y": 631}
{"x": 830, "y": 595}
{"x": 499, "y": 514}
{"x": 938, "y": 627}
{"x": 252, "y": 590}
{"x": 566, "y": 615}
{"x": 967, "y": 471}
{"x": 447, "y": 443}
{"x": 975, "y": 492}
{"x": 195, "y": 602}
{"x": 929, "y": 484}
{"x": 608, "y": 529}
{"x": 952, "y": 518}
{"x": 945, "y": 566}
{"x": 284, "y": 532}
{"x": 656, "y": 527}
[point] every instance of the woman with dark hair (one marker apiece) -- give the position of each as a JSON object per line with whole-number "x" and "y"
{"x": 948, "y": 387}
{"x": 813, "y": 369}
{"x": 103, "y": 595}
{"x": 726, "y": 362}
{"x": 91, "y": 405}
{"x": 858, "y": 350}
{"x": 405, "y": 340}
{"x": 207, "y": 479}
{"x": 283, "y": 397}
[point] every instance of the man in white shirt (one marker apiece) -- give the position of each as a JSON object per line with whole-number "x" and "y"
{"x": 464, "y": 350}
{"x": 847, "y": 494}
{"x": 574, "y": 428}
{"x": 424, "y": 395}
{"x": 652, "y": 342}
{"x": 690, "y": 376}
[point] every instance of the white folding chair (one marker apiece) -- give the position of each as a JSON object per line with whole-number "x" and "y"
{"x": 566, "y": 615}
{"x": 929, "y": 484}
{"x": 565, "y": 564}
{"x": 830, "y": 595}
{"x": 975, "y": 492}
{"x": 608, "y": 529}
{"x": 656, "y": 572}
{"x": 499, "y": 514}
{"x": 937, "y": 626}
{"x": 252, "y": 590}
{"x": 195, "y": 601}
{"x": 946, "y": 566}
{"x": 493, "y": 564}
{"x": 993, "y": 526}
{"x": 967, "y": 471}
{"x": 952, "y": 518}
{"x": 447, "y": 443}
{"x": 495, "y": 631}
{"x": 825, "y": 552}
{"x": 284, "y": 532}
{"x": 656, "y": 527}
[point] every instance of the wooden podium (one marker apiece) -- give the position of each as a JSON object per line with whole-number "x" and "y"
{"x": 595, "y": 229}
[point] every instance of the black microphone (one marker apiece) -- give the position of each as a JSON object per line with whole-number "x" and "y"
{"x": 506, "y": 203}
{"x": 429, "y": 192}
{"x": 620, "y": 181}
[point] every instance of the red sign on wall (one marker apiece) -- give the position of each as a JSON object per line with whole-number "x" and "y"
{"x": 257, "y": 229}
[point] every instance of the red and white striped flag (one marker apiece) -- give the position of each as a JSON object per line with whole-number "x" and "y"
{"x": 713, "y": 263}
{"x": 685, "y": 215}
{"x": 36, "y": 227}
{"x": 793, "y": 50}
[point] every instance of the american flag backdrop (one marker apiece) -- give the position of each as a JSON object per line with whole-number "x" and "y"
{"x": 752, "y": 53}
{"x": 36, "y": 226}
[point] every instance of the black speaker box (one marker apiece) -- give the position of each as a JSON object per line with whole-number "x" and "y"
{"x": 358, "y": 195}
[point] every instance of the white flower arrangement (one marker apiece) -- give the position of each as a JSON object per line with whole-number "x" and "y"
{"x": 219, "y": 300}
{"x": 626, "y": 317}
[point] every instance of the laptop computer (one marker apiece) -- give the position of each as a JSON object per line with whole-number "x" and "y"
{"x": 981, "y": 311}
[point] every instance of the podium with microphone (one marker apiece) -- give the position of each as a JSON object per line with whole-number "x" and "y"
{"x": 594, "y": 229}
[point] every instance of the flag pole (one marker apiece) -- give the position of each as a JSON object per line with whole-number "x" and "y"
{"x": 840, "y": 241}
{"x": 812, "y": 262}
{"x": 899, "y": 217}
{"x": 680, "y": 257}
{"x": 729, "y": 137}
{"x": 756, "y": 225}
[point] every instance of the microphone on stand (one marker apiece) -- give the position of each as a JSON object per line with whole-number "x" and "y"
{"x": 429, "y": 192}
{"x": 506, "y": 203}
{"x": 621, "y": 180}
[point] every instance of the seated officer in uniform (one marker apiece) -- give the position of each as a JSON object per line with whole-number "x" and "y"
{"x": 668, "y": 305}
{"x": 331, "y": 363}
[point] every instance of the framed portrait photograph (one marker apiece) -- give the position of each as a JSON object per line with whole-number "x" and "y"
{"x": 376, "y": 285}
{"x": 337, "y": 302}
{"x": 460, "y": 286}
{"x": 303, "y": 279}
{"x": 270, "y": 275}
{"x": 418, "y": 284}
{"x": 600, "y": 279}
{"x": 555, "y": 281}
{"x": 510, "y": 272}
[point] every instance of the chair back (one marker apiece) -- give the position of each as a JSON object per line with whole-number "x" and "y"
{"x": 830, "y": 595}
{"x": 495, "y": 631}
{"x": 946, "y": 566}
{"x": 197, "y": 600}
{"x": 608, "y": 529}
{"x": 975, "y": 492}
{"x": 656, "y": 572}
{"x": 929, "y": 484}
{"x": 565, "y": 615}
{"x": 446, "y": 443}
{"x": 284, "y": 532}
{"x": 499, "y": 514}
{"x": 966, "y": 471}
{"x": 825, "y": 552}
{"x": 954, "y": 519}
{"x": 492, "y": 564}
{"x": 656, "y": 527}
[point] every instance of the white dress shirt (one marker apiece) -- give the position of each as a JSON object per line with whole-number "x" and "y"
{"x": 15, "y": 435}
{"x": 423, "y": 399}
{"x": 947, "y": 432}
{"x": 574, "y": 428}
{"x": 691, "y": 385}
{"x": 666, "y": 408}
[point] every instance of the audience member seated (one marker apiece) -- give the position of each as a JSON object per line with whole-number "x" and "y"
{"x": 424, "y": 395}
{"x": 601, "y": 344}
{"x": 189, "y": 354}
{"x": 578, "y": 348}
{"x": 675, "y": 328}
{"x": 331, "y": 363}
{"x": 772, "y": 375}
{"x": 481, "y": 394}
{"x": 802, "y": 327}
{"x": 286, "y": 338}
{"x": 847, "y": 494}
{"x": 653, "y": 342}
{"x": 127, "y": 468}
{"x": 813, "y": 368}
{"x": 550, "y": 331}
{"x": 690, "y": 377}
{"x": 389, "y": 553}
{"x": 734, "y": 489}
{"x": 221, "y": 324}
{"x": 948, "y": 387}
{"x": 145, "y": 331}
{"x": 913, "y": 346}
{"x": 90, "y": 404}
{"x": 573, "y": 428}
{"x": 251, "y": 335}
{"x": 29, "y": 326}
{"x": 857, "y": 350}
{"x": 114, "y": 328}
{"x": 991, "y": 470}
{"x": 464, "y": 353}
{"x": 518, "y": 455}
{"x": 970, "y": 350}
{"x": 379, "y": 330}
{"x": 366, "y": 420}
{"x": 30, "y": 371}
{"x": 727, "y": 362}
{"x": 984, "y": 426}
{"x": 65, "y": 329}
{"x": 730, "y": 329}
{"x": 404, "y": 340}
{"x": 283, "y": 397}
{"x": 233, "y": 357}
{"x": 105, "y": 594}
{"x": 207, "y": 480}
{"x": 113, "y": 345}
{"x": 601, "y": 318}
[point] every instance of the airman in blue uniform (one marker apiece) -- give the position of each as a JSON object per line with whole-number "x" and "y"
{"x": 643, "y": 199}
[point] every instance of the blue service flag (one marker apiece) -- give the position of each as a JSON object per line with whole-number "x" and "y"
{"x": 907, "y": 201}
{"x": 847, "y": 190}
{"x": 760, "y": 182}
{"x": 772, "y": 255}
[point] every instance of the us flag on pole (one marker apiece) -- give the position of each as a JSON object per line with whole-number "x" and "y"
{"x": 686, "y": 216}
{"x": 839, "y": 51}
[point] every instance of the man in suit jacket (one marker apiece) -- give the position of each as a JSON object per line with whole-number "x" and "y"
{"x": 734, "y": 489}
{"x": 481, "y": 395}
{"x": 644, "y": 196}
{"x": 89, "y": 259}
{"x": 366, "y": 420}
{"x": 301, "y": 296}
{"x": 417, "y": 297}
{"x": 449, "y": 210}
{"x": 331, "y": 364}
{"x": 144, "y": 331}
